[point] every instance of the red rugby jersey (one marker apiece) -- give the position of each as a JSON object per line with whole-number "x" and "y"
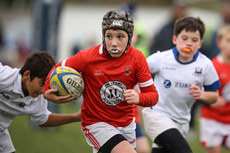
{"x": 106, "y": 79}
{"x": 220, "y": 114}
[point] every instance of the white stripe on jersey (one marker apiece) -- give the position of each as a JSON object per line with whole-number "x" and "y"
{"x": 63, "y": 63}
{"x": 145, "y": 84}
{"x": 101, "y": 49}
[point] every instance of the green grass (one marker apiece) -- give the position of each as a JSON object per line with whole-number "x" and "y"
{"x": 64, "y": 139}
{"x": 28, "y": 138}
{"x": 67, "y": 138}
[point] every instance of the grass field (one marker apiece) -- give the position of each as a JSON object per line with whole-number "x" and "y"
{"x": 64, "y": 139}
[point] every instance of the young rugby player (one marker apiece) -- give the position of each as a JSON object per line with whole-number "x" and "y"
{"x": 21, "y": 94}
{"x": 180, "y": 75}
{"x": 215, "y": 118}
{"x": 110, "y": 71}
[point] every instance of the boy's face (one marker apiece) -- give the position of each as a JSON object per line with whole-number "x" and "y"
{"x": 187, "y": 39}
{"x": 116, "y": 42}
{"x": 224, "y": 45}
{"x": 35, "y": 87}
{"x": 32, "y": 87}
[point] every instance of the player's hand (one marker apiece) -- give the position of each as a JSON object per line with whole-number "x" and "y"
{"x": 131, "y": 96}
{"x": 51, "y": 95}
{"x": 196, "y": 92}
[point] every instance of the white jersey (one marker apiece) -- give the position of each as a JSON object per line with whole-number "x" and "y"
{"x": 14, "y": 103}
{"x": 173, "y": 79}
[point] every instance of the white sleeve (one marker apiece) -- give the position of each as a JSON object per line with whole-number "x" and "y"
{"x": 41, "y": 113}
{"x": 153, "y": 62}
{"x": 7, "y": 76}
{"x": 211, "y": 79}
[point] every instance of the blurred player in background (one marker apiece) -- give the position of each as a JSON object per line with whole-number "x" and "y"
{"x": 110, "y": 71}
{"x": 21, "y": 94}
{"x": 163, "y": 39}
{"x": 213, "y": 50}
{"x": 215, "y": 118}
{"x": 180, "y": 74}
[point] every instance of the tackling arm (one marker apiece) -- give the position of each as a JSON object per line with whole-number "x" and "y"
{"x": 60, "y": 119}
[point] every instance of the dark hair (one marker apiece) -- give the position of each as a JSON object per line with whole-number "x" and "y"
{"x": 39, "y": 64}
{"x": 189, "y": 24}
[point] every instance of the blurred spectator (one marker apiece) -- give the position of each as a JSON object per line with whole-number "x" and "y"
{"x": 46, "y": 24}
{"x": 76, "y": 48}
{"x": 81, "y": 42}
{"x": 213, "y": 50}
{"x": 8, "y": 54}
{"x": 22, "y": 48}
{"x": 130, "y": 7}
{"x": 163, "y": 40}
{"x": 1, "y": 34}
{"x": 140, "y": 40}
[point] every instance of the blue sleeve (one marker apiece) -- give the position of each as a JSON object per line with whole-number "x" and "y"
{"x": 213, "y": 87}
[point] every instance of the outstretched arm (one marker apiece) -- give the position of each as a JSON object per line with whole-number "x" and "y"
{"x": 60, "y": 119}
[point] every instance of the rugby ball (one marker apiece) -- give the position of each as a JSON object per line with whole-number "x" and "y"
{"x": 68, "y": 81}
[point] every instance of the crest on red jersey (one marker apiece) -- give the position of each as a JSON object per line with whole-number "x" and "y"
{"x": 112, "y": 92}
{"x": 127, "y": 69}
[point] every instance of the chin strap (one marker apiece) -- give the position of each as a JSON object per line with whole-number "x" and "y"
{"x": 106, "y": 51}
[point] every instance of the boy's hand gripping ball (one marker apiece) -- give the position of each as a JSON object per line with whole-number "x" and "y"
{"x": 68, "y": 81}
